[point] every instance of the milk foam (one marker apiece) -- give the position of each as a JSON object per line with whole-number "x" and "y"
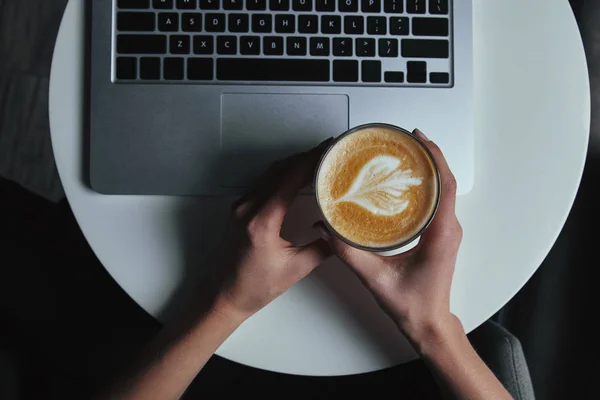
{"x": 380, "y": 185}
{"x": 377, "y": 187}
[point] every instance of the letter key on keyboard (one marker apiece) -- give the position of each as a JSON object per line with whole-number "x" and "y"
{"x": 318, "y": 42}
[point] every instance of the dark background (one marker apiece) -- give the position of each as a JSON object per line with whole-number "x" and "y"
{"x": 66, "y": 326}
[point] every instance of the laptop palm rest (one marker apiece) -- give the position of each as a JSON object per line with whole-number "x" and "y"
{"x": 257, "y": 129}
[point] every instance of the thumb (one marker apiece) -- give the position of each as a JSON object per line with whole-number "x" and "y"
{"x": 362, "y": 262}
{"x": 312, "y": 254}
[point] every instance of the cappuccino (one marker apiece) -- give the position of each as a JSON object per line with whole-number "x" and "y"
{"x": 377, "y": 187}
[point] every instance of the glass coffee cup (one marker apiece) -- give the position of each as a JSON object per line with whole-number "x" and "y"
{"x": 378, "y": 188}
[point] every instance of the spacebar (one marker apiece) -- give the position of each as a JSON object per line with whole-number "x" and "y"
{"x": 255, "y": 69}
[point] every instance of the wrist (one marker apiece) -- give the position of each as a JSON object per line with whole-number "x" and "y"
{"x": 428, "y": 336}
{"x": 228, "y": 312}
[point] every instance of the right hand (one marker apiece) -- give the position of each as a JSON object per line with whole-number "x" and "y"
{"x": 414, "y": 287}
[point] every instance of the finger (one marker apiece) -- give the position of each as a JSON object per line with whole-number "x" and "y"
{"x": 310, "y": 256}
{"x": 361, "y": 262}
{"x": 448, "y": 195}
{"x": 259, "y": 189}
{"x": 293, "y": 179}
{"x": 445, "y": 220}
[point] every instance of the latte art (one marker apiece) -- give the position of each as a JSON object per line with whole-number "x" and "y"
{"x": 380, "y": 186}
{"x": 377, "y": 187}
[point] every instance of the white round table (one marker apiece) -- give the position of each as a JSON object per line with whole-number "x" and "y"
{"x": 532, "y": 125}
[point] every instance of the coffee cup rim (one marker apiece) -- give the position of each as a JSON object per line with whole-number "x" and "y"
{"x": 437, "y": 174}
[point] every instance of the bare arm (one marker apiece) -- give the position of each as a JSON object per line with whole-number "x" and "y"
{"x": 255, "y": 265}
{"x": 458, "y": 369}
{"x": 414, "y": 289}
{"x": 174, "y": 359}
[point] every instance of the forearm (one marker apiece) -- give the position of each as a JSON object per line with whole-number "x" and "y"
{"x": 175, "y": 358}
{"x": 459, "y": 370}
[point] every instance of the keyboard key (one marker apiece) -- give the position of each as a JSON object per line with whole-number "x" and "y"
{"x": 393, "y": 6}
{"x": 173, "y": 69}
{"x": 200, "y": 69}
{"x": 296, "y": 46}
{"x": 168, "y": 22}
{"x": 438, "y": 6}
{"x": 262, "y": 23}
{"x": 399, "y": 26}
{"x": 256, "y": 5}
{"x": 348, "y": 5}
{"x": 126, "y": 68}
{"x": 308, "y": 24}
{"x": 388, "y": 47}
{"x": 331, "y": 24}
{"x": 285, "y": 23}
{"x": 430, "y": 26}
{"x": 354, "y": 25}
{"x": 394, "y": 76}
{"x": 417, "y": 48}
{"x": 416, "y": 72}
{"x": 150, "y": 68}
{"x": 162, "y": 4}
{"x": 325, "y": 5}
{"x": 238, "y": 23}
{"x": 345, "y": 71}
{"x": 233, "y": 4}
{"x": 179, "y": 44}
{"x": 279, "y": 5}
{"x": 214, "y": 23}
{"x": 342, "y": 47}
{"x": 365, "y": 47}
{"x": 272, "y": 69}
{"x": 319, "y": 46}
{"x": 415, "y": 6}
{"x": 203, "y": 44}
{"x": 376, "y": 25}
{"x": 371, "y": 71}
{"x": 191, "y": 22}
{"x": 187, "y": 4}
{"x": 141, "y": 44}
{"x": 136, "y": 21}
{"x": 250, "y": 45}
{"x": 129, "y": 4}
{"x": 439, "y": 77}
{"x": 226, "y": 45}
{"x": 209, "y": 4}
{"x": 273, "y": 45}
{"x": 371, "y": 6}
{"x": 302, "y": 5}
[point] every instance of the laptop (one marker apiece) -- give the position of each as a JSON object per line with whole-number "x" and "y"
{"x": 198, "y": 97}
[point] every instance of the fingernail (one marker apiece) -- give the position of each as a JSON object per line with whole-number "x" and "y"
{"x": 421, "y": 135}
{"x": 323, "y": 232}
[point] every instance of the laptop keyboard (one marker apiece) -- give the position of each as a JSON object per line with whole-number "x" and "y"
{"x": 290, "y": 42}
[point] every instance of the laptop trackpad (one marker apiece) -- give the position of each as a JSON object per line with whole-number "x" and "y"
{"x": 257, "y": 129}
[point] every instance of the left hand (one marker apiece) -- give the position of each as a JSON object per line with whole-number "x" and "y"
{"x": 255, "y": 263}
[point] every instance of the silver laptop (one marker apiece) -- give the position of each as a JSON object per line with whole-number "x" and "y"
{"x": 198, "y": 97}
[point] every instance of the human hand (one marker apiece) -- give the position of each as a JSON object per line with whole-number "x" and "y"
{"x": 256, "y": 264}
{"x": 414, "y": 287}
